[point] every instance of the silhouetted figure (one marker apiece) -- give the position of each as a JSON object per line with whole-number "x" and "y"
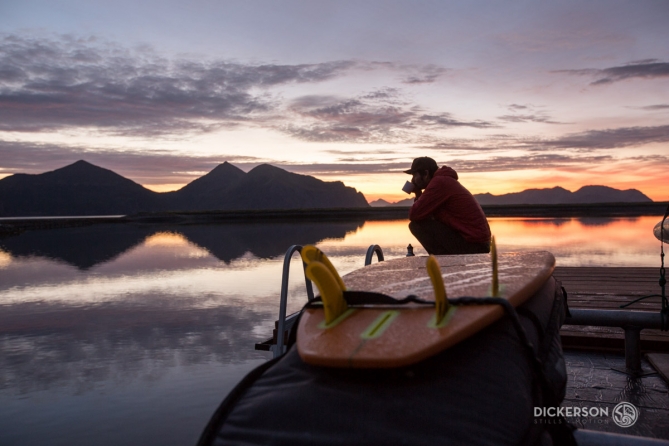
{"x": 445, "y": 217}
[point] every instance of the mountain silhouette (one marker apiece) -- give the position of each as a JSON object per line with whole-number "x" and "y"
{"x": 78, "y": 189}
{"x": 208, "y": 192}
{"x": 555, "y": 195}
{"x": 559, "y": 195}
{"x": 381, "y": 203}
{"x": 268, "y": 187}
{"x": 84, "y": 189}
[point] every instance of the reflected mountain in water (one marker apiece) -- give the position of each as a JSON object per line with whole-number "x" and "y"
{"x": 54, "y": 345}
{"x": 585, "y": 221}
{"x": 229, "y": 242}
{"x": 86, "y": 247}
{"x": 83, "y": 247}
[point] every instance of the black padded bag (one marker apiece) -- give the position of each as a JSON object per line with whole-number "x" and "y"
{"x": 479, "y": 392}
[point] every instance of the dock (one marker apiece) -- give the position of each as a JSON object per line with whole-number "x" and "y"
{"x": 593, "y": 355}
{"x": 606, "y": 289}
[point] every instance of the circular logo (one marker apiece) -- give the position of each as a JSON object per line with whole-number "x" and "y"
{"x": 625, "y": 414}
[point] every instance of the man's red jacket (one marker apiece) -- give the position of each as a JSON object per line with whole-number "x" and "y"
{"x": 449, "y": 202}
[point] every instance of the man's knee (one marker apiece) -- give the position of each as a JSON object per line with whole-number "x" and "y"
{"x": 413, "y": 227}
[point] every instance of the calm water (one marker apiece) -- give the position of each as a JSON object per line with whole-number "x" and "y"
{"x": 120, "y": 334}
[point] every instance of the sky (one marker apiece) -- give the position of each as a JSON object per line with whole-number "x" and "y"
{"x": 512, "y": 95}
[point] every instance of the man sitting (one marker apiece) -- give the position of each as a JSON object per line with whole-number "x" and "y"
{"x": 445, "y": 217}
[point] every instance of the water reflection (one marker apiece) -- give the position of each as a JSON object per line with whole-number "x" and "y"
{"x": 54, "y": 345}
{"x": 86, "y": 247}
{"x": 81, "y": 247}
{"x": 583, "y": 242}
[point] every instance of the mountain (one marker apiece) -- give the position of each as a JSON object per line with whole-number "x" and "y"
{"x": 555, "y": 195}
{"x": 604, "y": 194}
{"x": 380, "y": 203}
{"x": 268, "y": 187}
{"x": 559, "y": 195}
{"x": 78, "y": 189}
{"x": 207, "y": 192}
{"x": 84, "y": 189}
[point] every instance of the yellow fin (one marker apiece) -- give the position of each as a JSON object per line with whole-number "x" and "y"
{"x": 441, "y": 302}
{"x": 495, "y": 273}
{"x": 331, "y": 293}
{"x": 312, "y": 254}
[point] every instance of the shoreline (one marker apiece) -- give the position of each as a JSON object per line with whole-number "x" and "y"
{"x": 15, "y": 225}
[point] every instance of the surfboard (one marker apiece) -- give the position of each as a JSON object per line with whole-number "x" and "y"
{"x": 395, "y": 336}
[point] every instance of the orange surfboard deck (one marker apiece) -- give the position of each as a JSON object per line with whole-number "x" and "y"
{"x": 395, "y": 336}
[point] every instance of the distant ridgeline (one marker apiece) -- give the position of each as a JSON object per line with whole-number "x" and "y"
{"x": 84, "y": 189}
{"x": 556, "y": 195}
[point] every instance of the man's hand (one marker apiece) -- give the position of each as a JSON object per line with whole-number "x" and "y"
{"x": 418, "y": 193}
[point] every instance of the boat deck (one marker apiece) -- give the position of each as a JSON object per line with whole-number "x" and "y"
{"x": 593, "y": 383}
{"x": 591, "y": 353}
{"x": 607, "y": 289}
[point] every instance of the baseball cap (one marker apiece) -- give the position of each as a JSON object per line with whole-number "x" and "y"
{"x": 422, "y": 163}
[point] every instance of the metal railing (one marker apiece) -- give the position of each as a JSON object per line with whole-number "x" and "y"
{"x": 630, "y": 321}
{"x": 278, "y": 348}
{"x": 370, "y": 254}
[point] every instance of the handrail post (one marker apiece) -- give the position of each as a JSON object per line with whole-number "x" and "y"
{"x": 278, "y": 348}
{"x": 630, "y": 321}
{"x": 370, "y": 253}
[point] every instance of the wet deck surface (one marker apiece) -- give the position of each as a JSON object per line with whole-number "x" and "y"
{"x": 592, "y": 383}
{"x": 608, "y": 288}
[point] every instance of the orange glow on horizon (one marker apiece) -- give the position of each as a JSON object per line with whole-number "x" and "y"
{"x": 654, "y": 187}
{"x": 537, "y": 233}
{"x": 169, "y": 187}
{"x": 573, "y": 241}
{"x": 166, "y": 239}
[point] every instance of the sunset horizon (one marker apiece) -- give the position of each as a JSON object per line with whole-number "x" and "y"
{"x": 391, "y": 198}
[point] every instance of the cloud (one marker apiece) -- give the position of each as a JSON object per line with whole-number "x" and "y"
{"x": 527, "y": 118}
{"x": 654, "y": 107}
{"x": 511, "y": 163}
{"x": 647, "y": 69}
{"x": 526, "y": 113}
{"x": 489, "y": 164}
{"x": 424, "y": 75}
{"x": 47, "y": 84}
{"x": 590, "y": 140}
{"x": 64, "y": 82}
{"x": 447, "y": 120}
{"x": 379, "y": 116}
{"x": 608, "y": 138}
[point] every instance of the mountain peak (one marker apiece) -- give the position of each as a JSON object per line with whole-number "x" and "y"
{"x": 219, "y": 180}
{"x": 226, "y": 169}
{"x": 267, "y": 169}
{"x": 80, "y": 165}
{"x": 84, "y": 171}
{"x": 380, "y": 203}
